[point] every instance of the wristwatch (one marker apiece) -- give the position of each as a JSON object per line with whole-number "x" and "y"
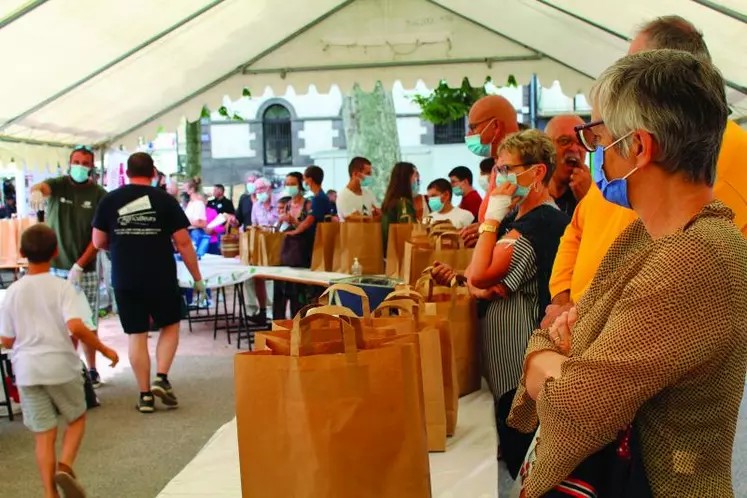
{"x": 487, "y": 227}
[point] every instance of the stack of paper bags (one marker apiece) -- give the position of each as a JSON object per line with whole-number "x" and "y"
{"x": 328, "y": 418}
{"x": 444, "y": 246}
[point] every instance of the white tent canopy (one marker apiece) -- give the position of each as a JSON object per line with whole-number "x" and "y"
{"x": 106, "y": 72}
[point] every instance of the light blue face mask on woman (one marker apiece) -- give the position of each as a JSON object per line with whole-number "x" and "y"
{"x": 521, "y": 191}
{"x": 291, "y": 190}
{"x": 614, "y": 191}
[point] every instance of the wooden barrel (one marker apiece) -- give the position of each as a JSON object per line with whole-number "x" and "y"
{"x": 229, "y": 246}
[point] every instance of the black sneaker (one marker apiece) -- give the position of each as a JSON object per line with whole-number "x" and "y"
{"x": 259, "y": 319}
{"x": 162, "y": 389}
{"x": 95, "y": 379}
{"x": 146, "y": 404}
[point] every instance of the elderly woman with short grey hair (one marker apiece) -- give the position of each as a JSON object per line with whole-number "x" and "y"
{"x": 651, "y": 362}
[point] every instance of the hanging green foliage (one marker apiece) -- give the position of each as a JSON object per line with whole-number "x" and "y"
{"x": 446, "y": 104}
{"x": 246, "y": 93}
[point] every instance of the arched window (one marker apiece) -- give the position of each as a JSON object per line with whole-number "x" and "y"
{"x": 278, "y": 139}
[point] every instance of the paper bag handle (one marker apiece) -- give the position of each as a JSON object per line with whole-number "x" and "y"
{"x": 449, "y": 235}
{"x": 413, "y": 311}
{"x": 350, "y": 328}
{"x": 406, "y": 294}
{"x": 356, "y": 291}
{"x": 334, "y": 311}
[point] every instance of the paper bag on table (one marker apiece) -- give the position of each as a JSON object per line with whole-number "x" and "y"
{"x": 270, "y": 248}
{"x": 447, "y": 247}
{"x": 414, "y": 301}
{"x": 349, "y": 424}
{"x": 359, "y": 240}
{"x": 325, "y": 246}
{"x": 399, "y": 234}
{"x": 461, "y": 309}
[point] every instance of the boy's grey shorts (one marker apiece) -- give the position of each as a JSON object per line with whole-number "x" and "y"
{"x": 41, "y": 405}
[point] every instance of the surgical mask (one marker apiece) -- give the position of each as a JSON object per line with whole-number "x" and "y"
{"x": 262, "y": 197}
{"x": 484, "y": 182}
{"x": 366, "y": 181}
{"x": 614, "y": 191}
{"x": 284, "y": 226}
{"x": 154, "y": 182}
{"x": 250, "y": 188}
{"x": 435, "y": 203}
{"x": 476, "y": 147}
{"x": 291, "y": 190}
{"x": 78, "y": 173}
{"x": 416, "y": 187}
{"x": 521, "y": 191}
{"x": 458, "y": 191}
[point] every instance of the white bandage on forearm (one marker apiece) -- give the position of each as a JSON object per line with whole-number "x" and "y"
{"x": 497, "y": 207}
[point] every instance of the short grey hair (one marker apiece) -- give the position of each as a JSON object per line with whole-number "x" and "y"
{"x": 533, "y": 147}
{"x": 676, "y": 97}
{"x": 676, "y": 33}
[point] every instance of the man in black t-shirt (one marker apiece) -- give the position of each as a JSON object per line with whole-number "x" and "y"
{"x": 220, "y": 202}
{"x": 137, "y": 224}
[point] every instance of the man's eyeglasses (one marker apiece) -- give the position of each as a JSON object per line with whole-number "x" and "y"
{"x": 474, "y": 126}
{"x": 586, "y": 135}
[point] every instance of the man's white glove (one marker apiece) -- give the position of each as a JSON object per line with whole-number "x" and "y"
{"x": 199, "y": 286}
{"x": 75, "y": 274}
{"x": 37, "y": 200}
{"x": 498, "y": 207}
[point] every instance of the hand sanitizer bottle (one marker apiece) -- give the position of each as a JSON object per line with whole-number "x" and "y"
{"x": 356, "y": 270}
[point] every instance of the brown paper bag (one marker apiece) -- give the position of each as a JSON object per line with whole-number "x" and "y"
{"x": 245, "y": 252}
{"x": 399, "y": 233}
{"x": 270, "y": 245}
{"x": 448, "y": 360}
{"x": 325, "y": 246}
{"x": 348, "y": 424}
{"x": 461, "y": 310}
{"x": 447, "y": 248}
{"x": 362, "y": 240}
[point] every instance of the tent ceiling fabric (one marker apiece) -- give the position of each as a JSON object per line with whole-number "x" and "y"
{"x": 106, "y": 71}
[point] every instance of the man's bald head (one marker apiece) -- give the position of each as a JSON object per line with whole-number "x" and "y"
{"x": 570, "y": 153}
{"x": 672, "y": 32}
{"x": 492, "y": 117}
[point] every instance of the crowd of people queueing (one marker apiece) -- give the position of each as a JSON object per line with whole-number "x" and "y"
{"x": 612, "y": 306}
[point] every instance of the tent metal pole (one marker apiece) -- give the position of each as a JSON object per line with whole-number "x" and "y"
{"x": 377, "y": 65}
{"x": 238, "y": 70}
{"x": 498, "y": 33}
{"x": 729, "y": 83}
{"x": 19, "y": 13}
{"x": 533, "y": 99}
{"x": 738, "y": 16}
{"x": 111, "y": 64}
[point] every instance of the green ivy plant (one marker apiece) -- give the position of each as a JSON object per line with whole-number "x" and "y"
{"x": 446, "y": 104}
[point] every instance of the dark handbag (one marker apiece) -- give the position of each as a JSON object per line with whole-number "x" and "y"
{"x": 295, "y": 251}
{"x": 615, "y": 471}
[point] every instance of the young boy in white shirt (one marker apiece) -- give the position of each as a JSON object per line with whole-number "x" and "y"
{"x": 356, "y": 198}
{"x": 439, "y": 201}
{"x": 39, "y": 313}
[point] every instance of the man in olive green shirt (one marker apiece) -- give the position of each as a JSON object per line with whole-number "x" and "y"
{"x": 71, "y": 202}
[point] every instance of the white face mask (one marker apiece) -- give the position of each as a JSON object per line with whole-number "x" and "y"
{"x": 484, "y": 182}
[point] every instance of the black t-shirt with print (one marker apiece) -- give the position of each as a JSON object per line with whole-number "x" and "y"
{"x": 140, "y": 221}
{"x": 222, "y": 206}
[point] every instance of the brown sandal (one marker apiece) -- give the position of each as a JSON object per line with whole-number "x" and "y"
{"x": 66, "y": 480}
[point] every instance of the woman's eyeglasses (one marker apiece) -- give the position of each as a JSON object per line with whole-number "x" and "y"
{"x": 587, "y": 137}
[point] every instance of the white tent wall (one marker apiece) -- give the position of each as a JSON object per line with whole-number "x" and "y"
{"x": 110, "y": 71}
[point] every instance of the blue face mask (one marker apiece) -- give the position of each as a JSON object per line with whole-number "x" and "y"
{"x": 250, "y": 188}
{"x": 476, "y": 147}
{"x": 435, "y": 204}
{"x": 614, "y": 191}
{"x": 367, "y": 181}
{"x": 154, "y": 182}
{"x": 78, "y": 173}
{"x": 262, "y": 197}
{"x": 416, "y": 188}
{"x": 521, "y": 192}
{"x": 291, "y": 190}
{"x": 458, "y": 191}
